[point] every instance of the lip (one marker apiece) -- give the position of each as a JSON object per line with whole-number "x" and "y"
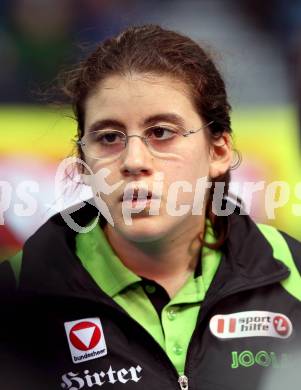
{"x": 131, "y": 195}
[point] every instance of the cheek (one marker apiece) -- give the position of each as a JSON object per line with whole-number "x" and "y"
{"x": 104, "y": 182}
{"x": 190, "y": 170}
{"x": 109, "y": 171}
{"x": 185, "y": 181}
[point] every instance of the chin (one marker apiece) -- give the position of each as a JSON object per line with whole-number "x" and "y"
{"x": 143, "y": 229}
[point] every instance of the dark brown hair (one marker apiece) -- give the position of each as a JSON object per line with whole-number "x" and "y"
{"x": 152, "y": 49}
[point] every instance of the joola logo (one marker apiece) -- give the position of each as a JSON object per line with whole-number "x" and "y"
{"x": 76, "y": 381}
{"x": 261, "y": 358}
{"x": 251, "y": 324}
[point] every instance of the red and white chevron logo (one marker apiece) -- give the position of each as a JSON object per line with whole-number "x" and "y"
{"x": 86, "y": 339}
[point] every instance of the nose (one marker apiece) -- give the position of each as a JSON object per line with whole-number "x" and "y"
{"x": 136, "y": 158}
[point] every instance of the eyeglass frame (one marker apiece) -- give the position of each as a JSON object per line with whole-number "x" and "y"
{"x": 143, "y": 138}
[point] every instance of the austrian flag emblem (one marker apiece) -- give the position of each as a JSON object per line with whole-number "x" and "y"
{"x": 86, "y": 339}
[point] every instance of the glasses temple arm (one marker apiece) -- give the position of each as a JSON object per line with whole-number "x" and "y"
{"x": 195, "y": 131}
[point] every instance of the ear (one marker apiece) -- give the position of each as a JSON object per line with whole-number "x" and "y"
{"x": 220, "y": 155}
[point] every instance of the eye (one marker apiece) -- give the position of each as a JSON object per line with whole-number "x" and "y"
{"x": 161, "y": 132}
{"x": 108, "y": 137}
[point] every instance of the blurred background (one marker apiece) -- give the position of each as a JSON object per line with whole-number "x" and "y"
{"x": 256, "y": 44}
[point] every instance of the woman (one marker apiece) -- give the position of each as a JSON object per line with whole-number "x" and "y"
{"x": 167, "y": 293}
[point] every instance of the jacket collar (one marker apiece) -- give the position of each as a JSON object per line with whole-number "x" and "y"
{"x": 50, "y": 265}
{"x": 248, "y": 260}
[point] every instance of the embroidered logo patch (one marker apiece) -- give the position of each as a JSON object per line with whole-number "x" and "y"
{"x": 86, "y": 339}
{"x": 251, "y": 324}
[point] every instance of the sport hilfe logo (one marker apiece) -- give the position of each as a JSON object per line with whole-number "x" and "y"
{"x": 251, "y": 324}
{"x": 86, "y": 339}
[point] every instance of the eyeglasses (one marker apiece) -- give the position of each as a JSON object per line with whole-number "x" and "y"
{"x": 161, "y": 140}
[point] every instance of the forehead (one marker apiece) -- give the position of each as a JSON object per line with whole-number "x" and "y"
{"x": 133, "y": 97}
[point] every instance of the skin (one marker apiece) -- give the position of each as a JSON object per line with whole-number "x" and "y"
{"x": 163, "y": 248}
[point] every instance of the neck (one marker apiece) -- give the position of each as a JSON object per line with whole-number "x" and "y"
{"x": 169, "y": 262}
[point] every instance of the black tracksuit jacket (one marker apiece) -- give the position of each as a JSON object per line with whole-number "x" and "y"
{"x": 54, "y": 288}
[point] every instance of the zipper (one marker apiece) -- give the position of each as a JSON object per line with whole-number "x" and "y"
{"x": 183, "y": 382}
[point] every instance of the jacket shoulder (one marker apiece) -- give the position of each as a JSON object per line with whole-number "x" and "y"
{"x": 8, "y": 282}
{"x": 295, "y": 248}
{"x": 288, "y": 251}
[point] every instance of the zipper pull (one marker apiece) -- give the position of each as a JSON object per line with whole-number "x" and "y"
{"x": 183, "y": 382}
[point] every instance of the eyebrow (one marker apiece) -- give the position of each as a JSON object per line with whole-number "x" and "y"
{"x": 149, "y": 121}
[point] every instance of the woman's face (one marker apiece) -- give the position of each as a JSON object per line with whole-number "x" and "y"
{"x": 131, "y": 101}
